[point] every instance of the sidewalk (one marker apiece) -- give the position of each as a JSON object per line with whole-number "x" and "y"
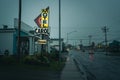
{"x": 70, "y": 71}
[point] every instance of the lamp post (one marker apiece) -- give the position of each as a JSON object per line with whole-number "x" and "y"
{"x": 69, "y": 34}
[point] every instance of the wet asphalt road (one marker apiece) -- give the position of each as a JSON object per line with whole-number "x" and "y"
{"x": 98, "y": 66}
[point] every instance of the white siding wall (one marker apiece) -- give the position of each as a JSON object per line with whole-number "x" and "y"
{"x": 56, "y": 42}
{"x": 6, "y": 42}
{"x": 25, "y": 27}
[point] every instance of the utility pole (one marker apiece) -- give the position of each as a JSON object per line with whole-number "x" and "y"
{"x": 19, "y": 29}
{"x": 105, "y": 30}
{"x": 59, "y": 30}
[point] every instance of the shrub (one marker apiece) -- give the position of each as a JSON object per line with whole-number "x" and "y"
{"x": 54, "y": 56}
{"x": 30, "y": 60}
{"x": 38, "y": 56}
{"x": 8, "y": 60}
{"x": 6, "y": 53}
{"x": 45, "y": 60}
{"x": 36, "y": 60}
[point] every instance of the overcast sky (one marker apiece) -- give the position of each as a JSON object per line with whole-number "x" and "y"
{"x": 87, "y": 17}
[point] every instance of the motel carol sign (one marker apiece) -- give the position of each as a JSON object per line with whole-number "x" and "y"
{"x": 43, "y": 22}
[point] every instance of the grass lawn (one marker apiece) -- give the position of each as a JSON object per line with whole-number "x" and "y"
{"x": 31, "y": 72}
{"x": 53, "y": 66}
{"x": 51, "y": 70}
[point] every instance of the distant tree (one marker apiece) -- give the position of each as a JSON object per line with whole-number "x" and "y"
{"x": 93, "y": 44}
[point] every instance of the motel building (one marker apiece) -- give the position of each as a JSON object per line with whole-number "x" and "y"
{"x": 29, "y": 41}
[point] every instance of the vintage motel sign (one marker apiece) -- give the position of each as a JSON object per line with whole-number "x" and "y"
{"x": 43, "y": 18}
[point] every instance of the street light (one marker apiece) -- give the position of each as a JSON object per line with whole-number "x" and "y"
{"x": 69, "y": 34}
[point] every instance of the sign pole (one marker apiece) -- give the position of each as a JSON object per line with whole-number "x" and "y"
{"x": 42, "y": 45}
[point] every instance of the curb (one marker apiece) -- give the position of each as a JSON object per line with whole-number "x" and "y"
{"x": 81, "y": 69}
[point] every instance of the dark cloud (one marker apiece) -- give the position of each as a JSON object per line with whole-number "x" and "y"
{"x": 85, "y": 16}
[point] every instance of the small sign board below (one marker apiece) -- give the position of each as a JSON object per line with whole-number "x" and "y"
{"x": 42, "y": 41}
